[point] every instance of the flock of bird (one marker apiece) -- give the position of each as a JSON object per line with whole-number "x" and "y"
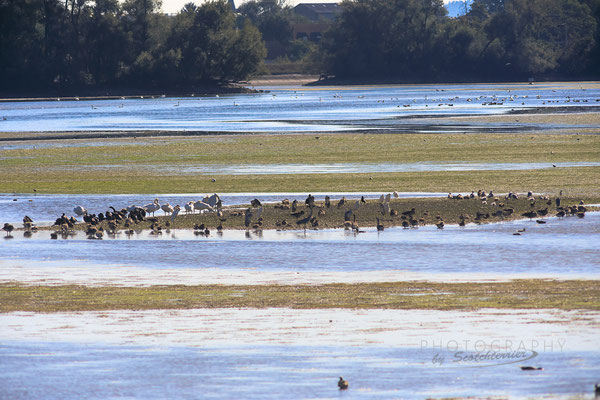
{"x": 127, "y": 218}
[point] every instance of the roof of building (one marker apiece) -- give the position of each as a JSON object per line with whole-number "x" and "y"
{"x": 320, "y": 8}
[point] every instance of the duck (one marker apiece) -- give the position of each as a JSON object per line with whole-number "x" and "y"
{"x": 343, "y": 384}
{"x": 8, "y": 228}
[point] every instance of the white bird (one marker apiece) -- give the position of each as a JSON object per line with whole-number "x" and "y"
{"x": 175, "y": 212}
{"x": 152, "y": 207}
{"x": 79, "y": 210}
{"x": 200, "y": 205}
{"x": 189, "y": 207}
{"x": 167, "y": 208}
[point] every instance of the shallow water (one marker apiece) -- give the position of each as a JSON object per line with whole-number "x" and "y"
{"x": 282, "y": 353}
{"x": 334, "y": 168}
{"x": 289, "y": 110}
{"x": 560, "y": 248}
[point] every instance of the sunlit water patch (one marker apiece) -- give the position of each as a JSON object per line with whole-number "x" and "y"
{"x": 289, "y": 110}
{"x": 334, "y": 168}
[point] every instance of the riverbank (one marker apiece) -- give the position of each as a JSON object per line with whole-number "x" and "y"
{"x": 518, "y": 294}
{"x": 125, "y": 93}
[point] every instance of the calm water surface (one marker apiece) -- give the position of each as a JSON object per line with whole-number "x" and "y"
{"x": 559, "y": 247}
{"x": 289, "y": 110}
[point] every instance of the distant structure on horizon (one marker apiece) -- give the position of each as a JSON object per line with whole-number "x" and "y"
{"x": 318, "y": 11}
{"x": 319, "y": 15}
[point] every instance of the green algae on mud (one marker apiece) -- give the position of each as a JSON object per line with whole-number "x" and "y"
{"x": 136, "y": 165}
{"x": 517, "y": 294}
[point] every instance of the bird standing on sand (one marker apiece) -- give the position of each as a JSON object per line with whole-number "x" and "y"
{"x": 200, "y": 205}
{"x": 167, "y": 208}
{"x": 255, "y": 203}
{"x": 248, "y": 217}
{"x": 341, "y": 203}
{"x": 175, "y": 212}
{"x": 310, "y": 200}
{"x": 343, "y": 384}
{"x": 152, "y": 207}
{"x": 327, "y": 202}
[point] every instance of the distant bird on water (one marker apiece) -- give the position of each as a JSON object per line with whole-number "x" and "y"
{"x": 8, "y": 228}
{"x": 343, "y": 384}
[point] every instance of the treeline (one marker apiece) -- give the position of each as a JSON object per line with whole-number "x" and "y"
{"x": 75, "y": 44}
{"x": 496, "y": 40}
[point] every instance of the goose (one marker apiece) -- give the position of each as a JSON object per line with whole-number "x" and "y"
{"x": 152, "y": 207}
{"x": 255, "y": 203}
{"x": 343, "y": 384}
{"x": 310, "y": 200}
{"x": 530, "y": 214}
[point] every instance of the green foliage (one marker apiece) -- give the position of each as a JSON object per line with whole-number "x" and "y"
{"x": 497, "y": 39}
{"x": 70, "y": 44}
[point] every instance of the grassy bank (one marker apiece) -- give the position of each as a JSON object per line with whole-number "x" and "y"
{"x": 159, "y": 165}
{"x": 518, "y": 294}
